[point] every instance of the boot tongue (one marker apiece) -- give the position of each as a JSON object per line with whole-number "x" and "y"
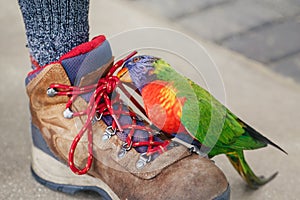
{"x": 86, "y": 63}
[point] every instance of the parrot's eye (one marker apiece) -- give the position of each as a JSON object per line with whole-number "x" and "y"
{"x": 136, "y": 59}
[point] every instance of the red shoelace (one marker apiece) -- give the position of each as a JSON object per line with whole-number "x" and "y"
{"x": 100, "y": 105}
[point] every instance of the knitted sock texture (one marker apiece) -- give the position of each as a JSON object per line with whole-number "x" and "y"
{"x": 54, "y": 27}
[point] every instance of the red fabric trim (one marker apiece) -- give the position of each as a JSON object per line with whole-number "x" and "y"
{"x": 80, "y": 49}
{"x": 84, "y": 47}
{"x": 40, "y": 68}
{"x": 34, "y": 62}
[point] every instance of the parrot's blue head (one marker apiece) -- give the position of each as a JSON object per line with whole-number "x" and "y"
{"x": 138, "y": 70}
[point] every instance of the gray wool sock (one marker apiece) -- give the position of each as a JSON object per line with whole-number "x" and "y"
{"x": 54, "y": 27}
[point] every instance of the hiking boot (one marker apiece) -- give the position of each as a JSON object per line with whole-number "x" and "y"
{"x": 86, "y": 138}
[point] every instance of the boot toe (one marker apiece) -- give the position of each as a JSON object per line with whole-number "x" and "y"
{"x": 194, "y": 177}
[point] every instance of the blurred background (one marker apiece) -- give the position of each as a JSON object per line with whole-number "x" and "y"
{"x": 255, "y": 43}
{"x": 264, "y": 30}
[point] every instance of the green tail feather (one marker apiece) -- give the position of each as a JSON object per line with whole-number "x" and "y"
{"x": 237, "y": 159}
{"x": 253, "y": 133}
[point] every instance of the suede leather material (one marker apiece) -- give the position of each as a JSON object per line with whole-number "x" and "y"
{"x": 190, "y": 178}
{"x": 176, "y": 174}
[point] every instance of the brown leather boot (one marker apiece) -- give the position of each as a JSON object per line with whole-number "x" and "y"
{"x": 78, "y": 122}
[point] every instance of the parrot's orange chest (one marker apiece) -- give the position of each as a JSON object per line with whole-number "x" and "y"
{"x": 162, "y": 106}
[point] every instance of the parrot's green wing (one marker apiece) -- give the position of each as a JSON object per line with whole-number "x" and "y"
{"x": 205, "y": 117}
{"x": 219, "y": 128}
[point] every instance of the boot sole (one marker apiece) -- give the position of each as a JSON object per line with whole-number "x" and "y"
{"x": 55, "y": 175}
{"x": 225, "y": 195}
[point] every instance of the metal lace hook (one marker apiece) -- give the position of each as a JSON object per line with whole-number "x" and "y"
{"x": 109, "y": 131}
{"x": 126, "y": 146}
{"x": 143, "y": 160}
{"x": 97, "y": 117}
{"x": 124, "y": 149}
{"x": 100, "y": 116}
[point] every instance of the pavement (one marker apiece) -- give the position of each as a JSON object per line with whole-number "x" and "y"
{"x": 267, "y": 100}
{"x": 263, "y": 30}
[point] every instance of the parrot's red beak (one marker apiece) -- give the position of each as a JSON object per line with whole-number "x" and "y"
{"x": 124, "y": 75}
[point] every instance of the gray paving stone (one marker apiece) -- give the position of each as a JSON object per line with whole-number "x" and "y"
{"x": 289, "y": 66}
{"x": 268, "y": 44}
{"x": 264, "y": 30}
{"x": 173, "y": 9}
{"x": 286, "y": 8}
{"x": 229, "y": 19}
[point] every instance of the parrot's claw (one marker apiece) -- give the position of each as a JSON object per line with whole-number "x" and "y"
{"x": 255, "y": 182}
{"x": 239, "y": 163}
{"x": 195, "y": 149}
{"x": 192, "y": 148}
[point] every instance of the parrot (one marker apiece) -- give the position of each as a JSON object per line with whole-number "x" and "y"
{"x": 175, "y": 104}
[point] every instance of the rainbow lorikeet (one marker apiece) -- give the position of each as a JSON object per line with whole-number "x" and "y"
{"x": 176, "y": 105}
